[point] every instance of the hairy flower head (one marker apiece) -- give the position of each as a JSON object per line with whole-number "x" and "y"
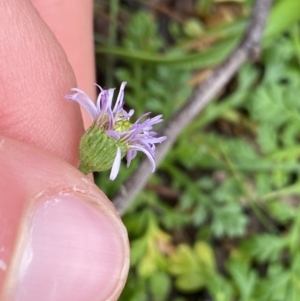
{"x": 111, "y": 135}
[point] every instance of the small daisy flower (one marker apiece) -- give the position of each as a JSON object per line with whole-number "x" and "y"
{"x": 112, "y": 136}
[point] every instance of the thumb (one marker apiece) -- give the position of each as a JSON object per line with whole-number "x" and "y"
{"x": 58, "y": 231}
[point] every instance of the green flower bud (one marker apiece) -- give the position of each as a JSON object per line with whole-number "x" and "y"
{"x": 111, "y": 135}
{"x": 97, "y": 150}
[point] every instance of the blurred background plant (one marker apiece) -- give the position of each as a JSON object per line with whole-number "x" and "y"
{"x": 220, "y": 219}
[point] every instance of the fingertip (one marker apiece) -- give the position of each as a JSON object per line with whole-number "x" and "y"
{"x": 68, "y": 238}
{"x": 59, "y": 230}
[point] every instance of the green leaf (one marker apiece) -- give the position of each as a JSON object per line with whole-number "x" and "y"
{"x": 138, "y": 250}
{"x": 283, "y": 15}
{"x": 136, "y": 224}
{"x": 228, "y": 220}
{"x": 205, "y": 255}
{"x": 183, "y": 260}
{"x": 264, "y": 247}
{"x": 190, "y": 282}
{"x": 244, "y": 278}
{"x": 281, "y": 211}
{"x": 275, "y": 287}
{"x": 135, "y": 289}
{"x": 203, "y": 59}
{"x": 141, "y": 33}
{"x": 160, "y": 285}
{"x": 147, "y": 265}
{"x": 192, "y": 267}
{"x": 220, "y": 288}
{"x": 267, "y": 138}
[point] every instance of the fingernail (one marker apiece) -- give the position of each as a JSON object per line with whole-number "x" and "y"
{"x": 72, "y": 249}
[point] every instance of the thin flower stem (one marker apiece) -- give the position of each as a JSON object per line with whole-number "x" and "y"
{"x": 248, "y": 49}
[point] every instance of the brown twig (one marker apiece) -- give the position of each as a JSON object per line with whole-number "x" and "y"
{"x": 248, "y": 49}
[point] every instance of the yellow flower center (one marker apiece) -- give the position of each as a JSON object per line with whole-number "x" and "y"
{"x": 122, "y": 125}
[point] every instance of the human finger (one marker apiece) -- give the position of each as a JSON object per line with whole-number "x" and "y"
{"x": 71, "y": 21}
{"x": 60, "y": 238}
{"x": 34, "y": 78}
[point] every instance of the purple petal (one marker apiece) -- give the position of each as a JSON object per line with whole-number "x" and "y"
{"x": 131, "y": 154}
{"x": 81, "y": 98}
{"x": 110, "y": 96}
{"x": 142, "y": 149}
{"x": 113, "y": 134}
{"x": 141, "y": 117}
{"x": 100, "y": 88}
{"x": 119, "y": 101}
{"x": 129, "y": 114}
{"x": 156, "y": 140}
{"x": 107, "y": 100}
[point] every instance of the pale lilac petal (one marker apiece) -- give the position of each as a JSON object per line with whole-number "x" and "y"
{"x": 81, "y": 98}
{"x": 142, "y": 149}
{"x": 131, "y": 154}
{"x": 119, "y": 101}
{"x": 116, "y": 165}
{"x": 98, "y": 102}
{"x": 113, "y": 134}
{"x": 110, "y": 96}
{"x": 141, "y": 117}
{"x": 156, "y": 140}
{"x": 106, "y": 100}
{"x": 156, "y": 119}
{"x": 129, "y": 114}
{"x": 100, "y": 88}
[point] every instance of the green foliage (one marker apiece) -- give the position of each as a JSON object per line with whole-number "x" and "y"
{"x": 264, "y": 247}
{"x": 192, "y": 267}
{"x": 244, "y": 279}
{"x": 275, "y": 286}
{"x": 220, "y": 289}
{"x": 220, "y": 218}
{"x": 228, "y": 220}
{"x": 141, "y": 34}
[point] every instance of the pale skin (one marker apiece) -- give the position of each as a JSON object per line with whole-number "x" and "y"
{"x": 57, "y": 229}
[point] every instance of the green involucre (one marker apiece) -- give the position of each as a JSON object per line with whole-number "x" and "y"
{"x": 97, "y": 150}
